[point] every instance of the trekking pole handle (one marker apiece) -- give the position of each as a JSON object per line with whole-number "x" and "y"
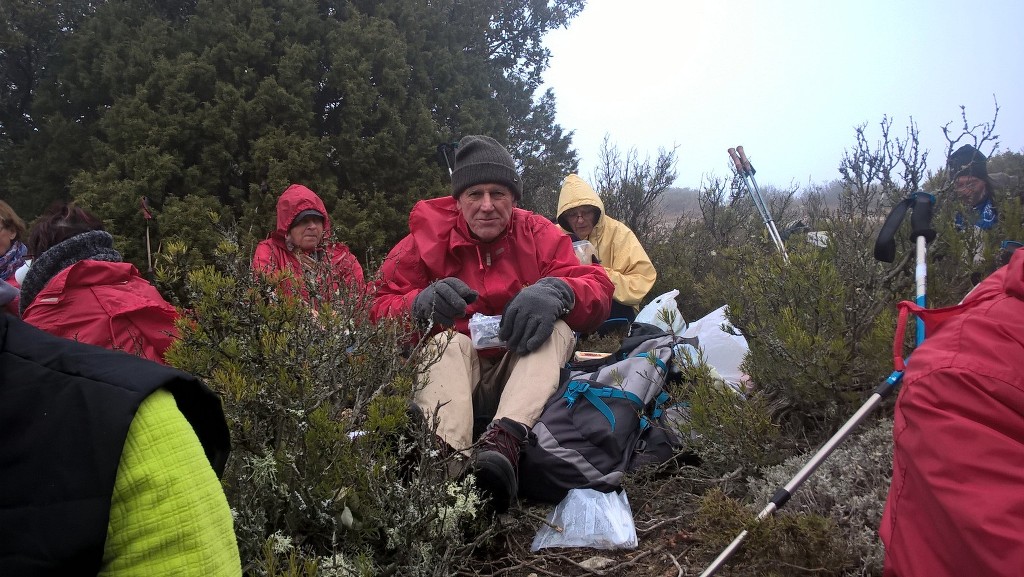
{"x": 147, "y": 213}
{"x": 736, "y": 161}
{"x": 921, "y": 216}
{"x": 746, "y": 162}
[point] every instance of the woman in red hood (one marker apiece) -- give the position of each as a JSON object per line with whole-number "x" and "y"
{"x": 301, "y": 245}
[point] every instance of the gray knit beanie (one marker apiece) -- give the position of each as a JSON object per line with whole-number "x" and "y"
{"x": 479, "y": 160}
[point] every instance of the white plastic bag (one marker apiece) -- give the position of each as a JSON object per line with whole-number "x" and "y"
{"x": 663, "y": 312}
{"x": 722, "y": 350}
{"x": 19, "y": 275}
{"x": 584, "y": 251}
{"x": 589, "y": 518}
{"x": 483, "y": 331}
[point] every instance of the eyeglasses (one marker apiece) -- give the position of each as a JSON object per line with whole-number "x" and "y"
{"x": 585, "y": 214}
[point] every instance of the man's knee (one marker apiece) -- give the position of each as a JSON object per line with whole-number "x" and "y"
{"x": 565, "y": 335}
{"x": 446, "y": 339}
{"x": 448, "y": 344}
{"x": 561, "y": 341}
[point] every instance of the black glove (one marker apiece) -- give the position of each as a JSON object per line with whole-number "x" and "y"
{"x": 530, "y": 316}
{"x": 443, "y": 301}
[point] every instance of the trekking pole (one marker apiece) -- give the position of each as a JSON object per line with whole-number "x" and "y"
{"x": 746, "y": 171}
{"x": 769, "y": 222}
{"x": 922, "y": 233}
{"x": 442, "y": 152}
{"x": 148, "y": 216}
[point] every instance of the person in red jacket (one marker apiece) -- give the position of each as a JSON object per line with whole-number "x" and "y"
{"x": 78, "y": 288}
{"x": 301, "y": 245}
{"x": 476, "y": 252}
{"x": 956, "y": 502}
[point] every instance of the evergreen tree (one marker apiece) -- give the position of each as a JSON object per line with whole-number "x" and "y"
{"x": 545, "y": 153}
{"x": 232, "y": 100}
{"x": 32, "y": 38}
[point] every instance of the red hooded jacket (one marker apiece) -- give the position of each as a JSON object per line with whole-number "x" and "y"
{"x": 439, "y": 245}
{"x": 956, "y": 502}
{"x": 272, "y": 254}
{"x": 107, "y": 304}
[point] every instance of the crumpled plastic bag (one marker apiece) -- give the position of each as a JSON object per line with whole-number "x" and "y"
{"x": 663, "y": 312}
{"x": 589, "y": 518}
{"x": 722, "y": 350}
{"x": 19, "y": 275}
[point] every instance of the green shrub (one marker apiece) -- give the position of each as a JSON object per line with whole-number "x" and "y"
{"x": 327, "y": 475}
{"x": 784, "y": 544}
{"x": 812, "y": 355}
{"x": 730, "y": 433}
{"x": 850, "y": 487}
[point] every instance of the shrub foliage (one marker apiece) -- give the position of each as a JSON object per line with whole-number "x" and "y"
{"x": 327, "y": 474}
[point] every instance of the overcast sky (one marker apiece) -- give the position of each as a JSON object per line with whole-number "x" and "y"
{"x": 787, "y": 79}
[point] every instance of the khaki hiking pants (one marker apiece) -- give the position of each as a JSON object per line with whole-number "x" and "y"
{"x": 462, "y": 384}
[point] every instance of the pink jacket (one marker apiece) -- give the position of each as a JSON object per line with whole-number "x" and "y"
{"x": 439, "y": 245}
{"x": 956, "y": 502}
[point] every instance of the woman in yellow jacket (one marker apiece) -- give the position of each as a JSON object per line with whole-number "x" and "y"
{"x": 581, "y": 213}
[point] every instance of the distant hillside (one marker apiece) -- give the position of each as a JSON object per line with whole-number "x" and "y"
{"x": 679, "y": 201}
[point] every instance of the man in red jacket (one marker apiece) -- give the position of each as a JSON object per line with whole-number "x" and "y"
{"x": 956, "y": 502}
{"x": 476, "y": 252}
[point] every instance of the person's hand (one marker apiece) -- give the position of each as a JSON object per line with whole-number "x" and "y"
{"x": 443, "y": 301}
{"x": 530, "y": 316}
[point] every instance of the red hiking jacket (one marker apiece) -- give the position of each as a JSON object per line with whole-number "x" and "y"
{"x": 107, "y": 304}
{"x": 956, "y": 502}
{"x": 272, "y": 254}
{"x": 439, "y": 245}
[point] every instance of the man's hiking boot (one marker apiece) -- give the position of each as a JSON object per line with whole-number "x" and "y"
{"x": 496, "y": 462}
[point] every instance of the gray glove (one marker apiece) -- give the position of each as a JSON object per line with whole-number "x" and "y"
{"x": 7, "y": 293}
{"x": 443, "y": 301}
{"x": 530, "y": 316}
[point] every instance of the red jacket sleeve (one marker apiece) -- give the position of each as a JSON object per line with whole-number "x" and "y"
{"x": 345, "y": 265}
{"x": 402, "y": 277}
{"x": 263, "y": 258}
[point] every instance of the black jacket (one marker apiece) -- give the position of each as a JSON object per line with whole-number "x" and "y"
{"x": 65, "y": 409}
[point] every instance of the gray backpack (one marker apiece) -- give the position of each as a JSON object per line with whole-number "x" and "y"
{"x": 604, "y": 420}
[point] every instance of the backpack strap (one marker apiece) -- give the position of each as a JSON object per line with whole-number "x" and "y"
{"x": 660, "y": 363}
{"x": 659, "y": 408}
{"x": 932, "y": 319}
{"x": 576, "y": 388}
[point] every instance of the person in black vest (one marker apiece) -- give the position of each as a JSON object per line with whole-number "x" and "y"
{"x": 110, "y": 463}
